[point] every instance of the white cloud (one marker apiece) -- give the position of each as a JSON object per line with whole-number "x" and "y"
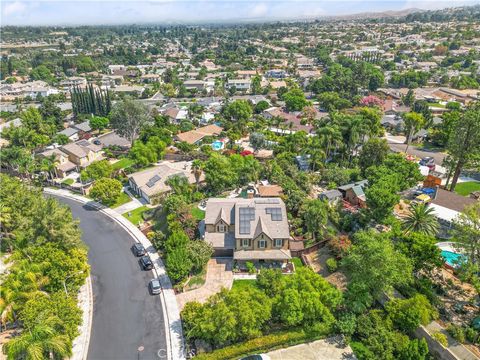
{"x": 259, "y": 10}
{"x": 14, "y": 8}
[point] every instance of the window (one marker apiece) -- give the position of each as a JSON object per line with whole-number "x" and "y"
{"x": 245, "y": 242}
{"x": 221, "y": 228}
{"x": 262, "y": 244}
{"x": 278, "y": 242}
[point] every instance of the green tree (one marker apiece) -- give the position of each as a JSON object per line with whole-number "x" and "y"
{"x": 99, "y": 122}
{"x": 97, "y": 170}
{"x": 331, "y": 101}
{"x": 199, "y": 252}
{"x": 382, "y": 197}
{"x": 178, "y": 263}
{"x": 373, "y": 152}
{"x": 464, "y": 142}
{"x": 467, "y": 233}
{"x": 41, "y": 72}
{"x": 238, "y": 111}
{"x": 409, "y": 314}
{"x": 413, "y": 122}
{"x": 219, "y": 175}
{"x": 421, "y": 219}
{"x": 261, "y": 106}
{"x": 315, "y": 216}
{"x": 128, "y": 117}
{"x": 421, "y": 250}
{"x": 373, "y": 266}
{"x": 295, "y": 100}
{"x": 106, "y": 190}
{"x": 40, "y": 342}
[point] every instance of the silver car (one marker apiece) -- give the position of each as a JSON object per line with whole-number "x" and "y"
{"x": 155, "y": 287}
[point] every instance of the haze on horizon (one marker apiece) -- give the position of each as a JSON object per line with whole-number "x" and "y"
{"x": 64, "y": 12}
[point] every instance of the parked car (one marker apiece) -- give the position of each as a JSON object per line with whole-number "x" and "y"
{"x": 138, "y": 249}
{"x": 428, "y": 162}
{"x": 256, "y": 357}
{"x": 155, "y": 287}
{"x": 146, "y": 262}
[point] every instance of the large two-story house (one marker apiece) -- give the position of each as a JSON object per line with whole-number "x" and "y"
{"x": 248, "y": 229}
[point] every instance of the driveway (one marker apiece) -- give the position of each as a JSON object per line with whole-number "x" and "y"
{"x": 219, "y": 275}
{"x": 396, "y": 144}
{"x": 125, "y": 315}
{"x": 327, "y": 349}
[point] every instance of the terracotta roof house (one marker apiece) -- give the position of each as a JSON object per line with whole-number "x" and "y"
{"x": 270, "y": 190}
{"x": 194, "y": 137}
{"x": 150, "y": 184}
{"x": 248, "y": 229}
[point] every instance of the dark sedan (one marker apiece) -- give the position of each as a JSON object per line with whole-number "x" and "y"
{"x": 146, "y": 262}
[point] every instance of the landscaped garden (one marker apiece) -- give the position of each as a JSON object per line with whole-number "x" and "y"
{"x": 136, "y": 216}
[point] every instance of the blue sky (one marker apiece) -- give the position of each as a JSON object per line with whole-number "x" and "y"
{"x": 63, "y": 12}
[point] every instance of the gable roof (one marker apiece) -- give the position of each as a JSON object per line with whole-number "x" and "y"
{"x": 194, "y": 136}
{"x": 251, "y": 217}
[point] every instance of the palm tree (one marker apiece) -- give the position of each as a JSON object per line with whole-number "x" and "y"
{"x": 331, "y": 137}
{"x": 197, "y": 169}
{"x": 420, "y": 219}
{"x": 40, "y": 342}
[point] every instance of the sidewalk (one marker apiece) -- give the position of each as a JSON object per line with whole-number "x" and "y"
{"x": 85, "y": 302}
{"x": 173, "y": 324}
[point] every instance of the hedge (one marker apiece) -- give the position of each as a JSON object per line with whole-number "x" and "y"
{"x": 276, "y": 340}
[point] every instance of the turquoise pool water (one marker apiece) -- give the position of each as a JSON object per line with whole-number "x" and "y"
{"x": 451, "y": 258}
{"x": 217, "y": 145}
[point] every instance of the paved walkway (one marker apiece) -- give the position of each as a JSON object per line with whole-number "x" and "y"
{"x": 174, "y": 332}
{"x": 326, "y": 349}
{"x": 131, "y": 205}
{"x": 219, "y": 275}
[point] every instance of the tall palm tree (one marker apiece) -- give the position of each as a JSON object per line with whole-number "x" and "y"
{"x": 331, "y": 136}
{"x": 197, "y": 169}
{"x": 40, "y": 342}
{"x": 420, "y": 219}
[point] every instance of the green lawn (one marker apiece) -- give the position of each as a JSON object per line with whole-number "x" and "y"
{"x": 243, "y": 284}
{"x": 197, "y": 213}
{"x": 465, "y": 188}
{"x": 122, "y": 199}
{"x": 122, "y": 163}
{"x": 68, "y": 181}
{"x": 297, "y": 262}
{"x": 136, "y": 215}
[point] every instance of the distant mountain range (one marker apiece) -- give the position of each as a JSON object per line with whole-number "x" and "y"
{"x": 377, "y": 15}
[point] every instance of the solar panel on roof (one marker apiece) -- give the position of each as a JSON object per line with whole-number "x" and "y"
{"x": 153, "y": 180}
{"x": 245, "y": 215}
{"x": 275, "y": 213}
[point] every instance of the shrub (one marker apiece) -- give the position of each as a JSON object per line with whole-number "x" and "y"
{"x": 408, "y": 314}
{"x": 332, "y": 265}
{"x": 340, "y": 245}
{"x": 441, "y": 338}
{"x": 457, "y": 332}
{"x": 471, "y": 335}
{"x": 250, "y": 267}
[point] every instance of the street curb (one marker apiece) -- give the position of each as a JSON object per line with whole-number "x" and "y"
{"x": 175, "y": 345}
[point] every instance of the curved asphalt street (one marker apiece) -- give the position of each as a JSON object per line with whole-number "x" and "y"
{"x": 125, "y": 315}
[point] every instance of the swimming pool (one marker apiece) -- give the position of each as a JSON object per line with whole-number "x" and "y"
{"x": 218, "y": 145}
{"x": 451, "y": 258}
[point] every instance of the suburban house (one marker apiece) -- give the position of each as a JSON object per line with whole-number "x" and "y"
{"x": 194, "y": 84}
{"x": 150, "y": 184}
{"x": 239, "y": 84}
{"x": 75, "y": 132}
{"x": 353, "y": 193}
{"x": 82, "y": 153}
{"x": 331, "y": 196}
{"x": 63, "y": 166}
{"x": 193, "y": 137}
{"x": 253, "y": 230}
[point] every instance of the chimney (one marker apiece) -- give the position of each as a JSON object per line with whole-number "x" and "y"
{"x": 250, "y": 193}
{"x": 436, "y": 192}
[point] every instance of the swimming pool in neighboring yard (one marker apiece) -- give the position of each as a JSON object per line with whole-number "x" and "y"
{"x": 218, "y": 145}
{"x": 451, "y": 258}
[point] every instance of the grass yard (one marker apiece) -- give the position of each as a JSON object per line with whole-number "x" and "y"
{"x": 465, "y": 188}
{"x": 136, "y": 216}
{"x": 122, "y": 199}
{"x": 122, "y": 164}
{"x": 68, "y": 181}
{"x": 244, "y": 284}
{"x": 197, "y": 213}
{"x": 297, "y": 262}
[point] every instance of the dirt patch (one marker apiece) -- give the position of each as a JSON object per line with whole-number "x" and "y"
{"x": 317, "y": 261}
